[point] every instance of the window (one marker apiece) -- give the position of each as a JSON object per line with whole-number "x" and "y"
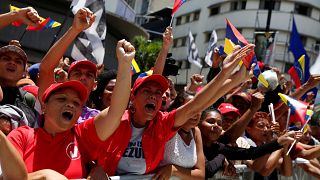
{"x": 302, "y": 9}
{"x": 178, "y": 22}
{"x": 131, "y": 3}
{"x": 175, "y": 43}
{"x": 238, "y": 5}
{"x": 187, "y": 18}
{"x": 264, "y": 4}
{"x": 214, "y": 10}
{"x": 196, "y": 16}
{"x": 183, "y": 41}
{"x": 303, "y": 40}
{"x": 207, "y": 37}
{"x": 179, "y": 42}
{"x": 317, "y": 46}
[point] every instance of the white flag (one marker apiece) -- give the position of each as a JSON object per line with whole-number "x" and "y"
{"x": 211, "y": 45}
{"x": 193, "y": 54}
{"x": 90, "y": 43}
{"x": 315, "y": 68}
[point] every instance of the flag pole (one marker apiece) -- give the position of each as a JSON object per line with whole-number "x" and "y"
{"x": 286, "y": 45}
{"x": 301, "y": 130}
{"x": 55, "y": 37}
{"x": 288, "y": 118}
{"x": 171, "y": 21}
{"x": 22, "y": 35}
{"x": 187, "y": 76}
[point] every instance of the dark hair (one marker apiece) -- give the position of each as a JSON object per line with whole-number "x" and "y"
{"x": 103, "y": 80}
{"x": 207, "y": 111}
{"x": 179, "y": 100}
{"x": 259, "y": 115}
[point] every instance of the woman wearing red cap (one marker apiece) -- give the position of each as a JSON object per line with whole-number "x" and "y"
{"x": 60, "y": 145}
{"x": 137, "y": 146}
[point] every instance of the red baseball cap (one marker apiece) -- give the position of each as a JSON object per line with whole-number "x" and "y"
{"x": 76, "y": 85}
{"x": 33, "y": 89}
{"x": 84, "y": 62}
{"x": 162, "y": 81}
{"x": 226, "y": 108}
{"x": 244, "y": 95}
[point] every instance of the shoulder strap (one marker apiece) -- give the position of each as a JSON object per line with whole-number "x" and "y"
{"x": 28, "y": 98}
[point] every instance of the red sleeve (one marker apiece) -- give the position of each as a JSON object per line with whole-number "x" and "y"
{"x": 295, "y": 151}
{"x": 19, "y": 138}
{"x": 168, "y": 120}
{"x": 88, "y": 138}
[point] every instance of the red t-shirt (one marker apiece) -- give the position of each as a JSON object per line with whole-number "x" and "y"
{"x": 66, "y": 152}
{"x": 157, "y": 132}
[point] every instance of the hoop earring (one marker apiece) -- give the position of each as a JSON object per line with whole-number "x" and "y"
{"x": 132, "y": 108}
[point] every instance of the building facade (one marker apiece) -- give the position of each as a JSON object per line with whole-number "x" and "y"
{"x": 120, "y": 19}
{"x": 248, "y": 16}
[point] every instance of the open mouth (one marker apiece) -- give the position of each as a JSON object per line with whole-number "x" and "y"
{"x": 67, "y": 115}
{"x": 150, "y": 107}
{"x": 163, "y": 103}
{"x": 11, "y": 69}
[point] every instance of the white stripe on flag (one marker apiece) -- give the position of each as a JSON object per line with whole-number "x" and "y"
{"x": 95, "y": 35}
{"x": 211, "y": 45}
{"x": 193, "y": 54}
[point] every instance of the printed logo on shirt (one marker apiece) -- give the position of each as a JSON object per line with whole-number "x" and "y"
{"x": 134, "y": 150}
{"x": 73, "y": 151}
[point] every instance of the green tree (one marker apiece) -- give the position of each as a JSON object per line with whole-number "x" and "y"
{"x": 146, "y": 52}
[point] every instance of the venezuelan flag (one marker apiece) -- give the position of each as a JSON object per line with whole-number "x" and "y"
{"x": 177, "y": 4}
{"x": 14, "y": 8}
{"x": 134, "y": 67}
{"x": 147, "y": 73}
{"x": 308, "y": 117}
{"x": 298, "y": 109}
{"x": 44, "y": 24}
{"x": 234, "y": 37}
{"x": 297, "y": 71}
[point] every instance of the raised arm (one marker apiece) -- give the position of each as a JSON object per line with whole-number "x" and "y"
{"x": 108, "y": 120}
{"x": 282, "y": 108}
{"x": 1, "y": 94}
{"x": 11, "y": 162}
{"x": 28, "y": 16}
{"x": 82, "y": 20}
{"x": 215, "y": 89}
{"x": 167, "y": 38}
{"x": 196, "y": 81}
{"x": 286, "y": 165}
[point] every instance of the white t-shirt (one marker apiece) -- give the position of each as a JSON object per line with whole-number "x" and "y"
{"x": 132, "y": 160}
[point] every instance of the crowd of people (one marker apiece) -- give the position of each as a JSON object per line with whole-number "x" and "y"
{"x": 71, "y": 119}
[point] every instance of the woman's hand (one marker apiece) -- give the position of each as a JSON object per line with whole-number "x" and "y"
{"x": 125, "y": 51}
{"x": 233, "y": 59}
{"x": 164, "y": 172}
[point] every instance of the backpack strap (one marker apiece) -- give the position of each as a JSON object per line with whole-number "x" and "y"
{"x": 28, "y": 98}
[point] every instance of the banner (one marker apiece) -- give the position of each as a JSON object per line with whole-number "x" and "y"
{"x": 265, "y": 46}
{"x": 211, "y": 45}
{"x": 193, "y": 53}
{"x": 90, "y": 43}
